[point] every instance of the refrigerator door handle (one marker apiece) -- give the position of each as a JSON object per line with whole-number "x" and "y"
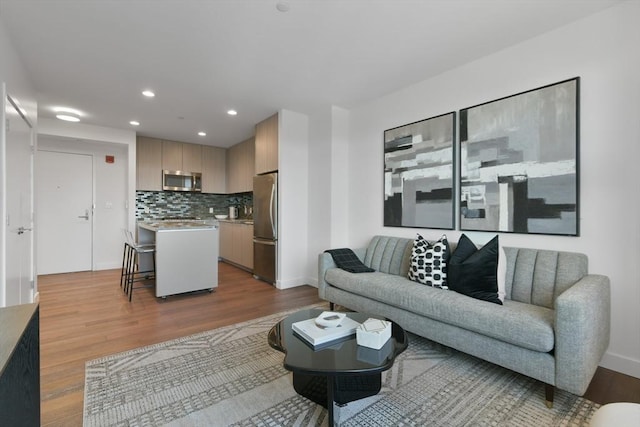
{"x": 265, "y": 242}
{"x": 271, "y": 210}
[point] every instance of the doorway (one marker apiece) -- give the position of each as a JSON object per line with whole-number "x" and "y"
{"x": 64, "y": 191}
{"x": 19, "y": 273}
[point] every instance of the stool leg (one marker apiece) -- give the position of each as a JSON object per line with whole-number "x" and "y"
{"x": 130, "y": 270}
{"x": 133, "y": 272}
{"x": 125, "y": 264}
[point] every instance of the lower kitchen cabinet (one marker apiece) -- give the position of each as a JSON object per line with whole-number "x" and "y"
{"x": 236, "y": 243}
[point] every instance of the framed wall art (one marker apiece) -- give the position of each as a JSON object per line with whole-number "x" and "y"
{"x": 519, "y": 162}
{"x": 419, "y": 174}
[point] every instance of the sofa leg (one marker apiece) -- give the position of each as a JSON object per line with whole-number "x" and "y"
{"x": 548, "y": 395}
{"x": 332, "y": 306}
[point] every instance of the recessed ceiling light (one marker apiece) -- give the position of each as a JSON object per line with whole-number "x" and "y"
{"x": 134, "y": 123}
{"x": 202, "y": 133}
{"x": 148, "y": 93}
{"x": 283, "y": 6}
{"x": 67, "y": 117}
{"x": 232, "y": 112}
{"x": 67, "y": 114}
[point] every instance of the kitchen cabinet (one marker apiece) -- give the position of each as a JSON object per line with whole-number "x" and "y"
{"x": 266, "y": 145}
{"x": 241, "y": 167}
{"x": 172, "y": 155}
{"x": 191, "y": 157}
{"x": 236, "y": 243}
{"x": 245, "y": 241}
{"x": 214, "y": 179}
{"x": 181, "y": 156}
{"x": 149, "y": 164}
{"x": 154, "y": 155}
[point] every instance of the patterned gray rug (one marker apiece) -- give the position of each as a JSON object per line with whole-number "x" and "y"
{"x": 231, "y": 377}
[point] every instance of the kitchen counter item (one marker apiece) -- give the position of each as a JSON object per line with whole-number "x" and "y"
{"x": 233, "y": 212}
{"x": 222, "y": 216}
{"x": 186, "y": 255}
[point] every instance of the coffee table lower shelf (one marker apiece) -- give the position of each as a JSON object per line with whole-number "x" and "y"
{"x": 340, "y": 389}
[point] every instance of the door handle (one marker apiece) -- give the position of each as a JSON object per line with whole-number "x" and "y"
{"x": 86, "y": 215}
{"x": 21, "y": 230}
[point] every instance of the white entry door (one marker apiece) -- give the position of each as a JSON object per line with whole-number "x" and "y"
{"x": 64, "y": 200}
{"x": 19, "y": 274}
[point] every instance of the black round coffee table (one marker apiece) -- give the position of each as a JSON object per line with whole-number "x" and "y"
{"x": 339, "y": 373}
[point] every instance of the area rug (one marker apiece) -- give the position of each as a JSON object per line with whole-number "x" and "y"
{"x": 231, "y": 377}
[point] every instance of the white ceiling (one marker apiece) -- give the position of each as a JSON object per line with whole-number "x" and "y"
{"x": 203, "y": 57}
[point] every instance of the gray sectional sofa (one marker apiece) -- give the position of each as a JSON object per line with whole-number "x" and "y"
{"x": 553, "y": 325}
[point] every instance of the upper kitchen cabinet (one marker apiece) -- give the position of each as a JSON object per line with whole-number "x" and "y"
{"x": 181, "y": 156}
{"x": 172, "y": 155}
{"x": 149, "y": 164}
{"x": 266, "y": 151}
{"x": 241, "y": 167}
{"x": 191, "y": 157}
{"x": 214, "y": 179}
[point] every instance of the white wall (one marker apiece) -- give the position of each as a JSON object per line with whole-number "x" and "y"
{"x": 603, "y": 50}
{"x": 13, "y": 80}
{"x": 13, "y": 73}
{"x": 320, "y": 182}
{"x": 114, "y": 183}
{"x": 328, "y": 185}
{"x": 293, "y": 199}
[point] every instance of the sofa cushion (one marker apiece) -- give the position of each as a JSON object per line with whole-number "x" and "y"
{"x": 429, "y": 262}
{"x": 389, "y": 254}
{"x": 473, "y": 271}
{"x": 521, "y": 324}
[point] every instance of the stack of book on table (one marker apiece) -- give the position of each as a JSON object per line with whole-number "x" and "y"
{"x": 326, "y": 328}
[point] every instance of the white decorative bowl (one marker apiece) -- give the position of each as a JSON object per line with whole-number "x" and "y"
{"x": 222, "y": 216}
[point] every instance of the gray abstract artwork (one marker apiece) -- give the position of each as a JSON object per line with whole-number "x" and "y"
{"x": 419, "y": 174}
{"x": 518, "y": 162}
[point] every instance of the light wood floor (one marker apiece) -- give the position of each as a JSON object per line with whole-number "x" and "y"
{"x": 84, "y": 316}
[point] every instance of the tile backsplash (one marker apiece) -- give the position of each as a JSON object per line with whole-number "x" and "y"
{"x": 154, "y": 205}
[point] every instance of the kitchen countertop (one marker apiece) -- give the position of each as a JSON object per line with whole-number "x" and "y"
{"x": 247, "y": 221}
{"x": 178, "y": 225}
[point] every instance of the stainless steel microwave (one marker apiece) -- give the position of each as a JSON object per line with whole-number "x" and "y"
{"x": 181, "y": 181}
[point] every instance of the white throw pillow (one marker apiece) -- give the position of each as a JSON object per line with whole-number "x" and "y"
{"x": 429, "y": 262}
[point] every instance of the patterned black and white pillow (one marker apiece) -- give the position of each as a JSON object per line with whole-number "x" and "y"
{"x": 429, "y": 262}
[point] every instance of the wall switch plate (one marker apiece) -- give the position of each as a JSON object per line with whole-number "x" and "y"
{"x": 210, "y": 210}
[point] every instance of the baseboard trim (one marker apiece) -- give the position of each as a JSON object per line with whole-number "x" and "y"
{"x": 622, "y": 364}
{"x": 292, "y": 283}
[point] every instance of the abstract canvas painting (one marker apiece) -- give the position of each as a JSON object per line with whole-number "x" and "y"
{"x": 519, "y": 162}
{"x": 419, "y": 174}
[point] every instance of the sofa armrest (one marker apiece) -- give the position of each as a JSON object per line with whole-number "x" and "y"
{"x": 582, "y": 327}
{"x": 325, "y": 262}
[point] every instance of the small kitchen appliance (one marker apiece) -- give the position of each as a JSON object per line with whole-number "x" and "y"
{"x": 233, "y": 212}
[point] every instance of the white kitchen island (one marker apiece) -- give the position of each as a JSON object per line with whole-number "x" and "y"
{"x": 186, "y": 255}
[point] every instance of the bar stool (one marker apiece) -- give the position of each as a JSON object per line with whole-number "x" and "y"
{"x": 131, "y": 264}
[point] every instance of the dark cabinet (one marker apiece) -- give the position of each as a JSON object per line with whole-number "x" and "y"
{"x": 20, "y": 365}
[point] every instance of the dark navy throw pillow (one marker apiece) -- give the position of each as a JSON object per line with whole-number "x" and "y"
{"x": 474, "y": 272}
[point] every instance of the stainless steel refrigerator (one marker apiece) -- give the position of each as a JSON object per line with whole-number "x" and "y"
{"x": 265, "y": 226}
